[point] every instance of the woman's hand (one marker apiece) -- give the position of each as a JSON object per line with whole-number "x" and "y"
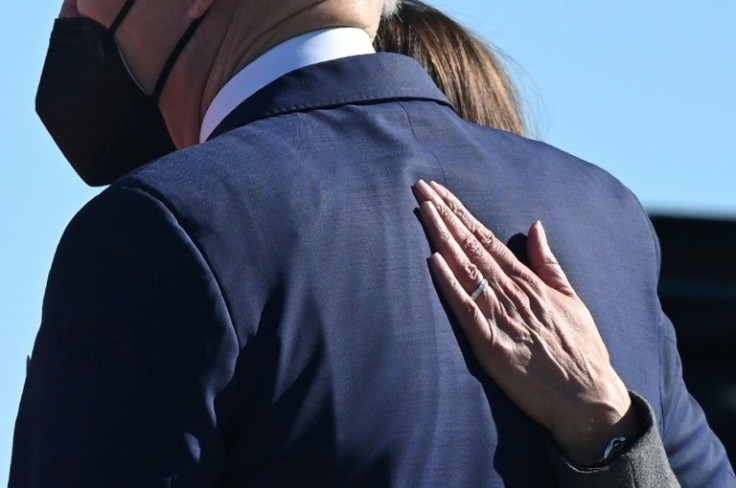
{"x": 528, "y": 328}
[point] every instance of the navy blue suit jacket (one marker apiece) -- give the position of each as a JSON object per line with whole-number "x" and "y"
{"x": 258, "y": 311}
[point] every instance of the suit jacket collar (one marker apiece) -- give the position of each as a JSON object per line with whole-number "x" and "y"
{"x": 362, "y": 79}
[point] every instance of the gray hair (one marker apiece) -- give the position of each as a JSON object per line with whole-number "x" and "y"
{"x": 390, "y": 7}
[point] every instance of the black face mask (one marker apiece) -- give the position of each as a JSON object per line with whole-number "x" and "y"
{"x": 102, "y": 122}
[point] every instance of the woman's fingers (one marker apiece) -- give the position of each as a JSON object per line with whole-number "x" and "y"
{"x": 457, "y": 207}
{"x": 502, "y": 298}
{"x": 468, "y": 273}
{"x": 496, "y": 262}
{"x": 472, "y": 320}
{"x": 544, "y": 263}
{"x": 501, "y": 253}
{"x": 486, "y": 338}
{"x": 448, "y": 204}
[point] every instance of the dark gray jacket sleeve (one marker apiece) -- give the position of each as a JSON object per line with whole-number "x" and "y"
{"x": 643, "y": 464}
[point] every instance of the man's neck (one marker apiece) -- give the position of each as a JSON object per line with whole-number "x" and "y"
{"x": 295, "y": 53}
{"x": 235, "y": 35}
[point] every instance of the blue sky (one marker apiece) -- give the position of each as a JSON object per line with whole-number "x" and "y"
{"x": 643, "y": 89}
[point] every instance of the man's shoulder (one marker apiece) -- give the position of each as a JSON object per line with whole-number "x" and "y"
{"x": 547, "y": 169}
{"x": 237, "y": 158}
{"x": 247, "y": 165}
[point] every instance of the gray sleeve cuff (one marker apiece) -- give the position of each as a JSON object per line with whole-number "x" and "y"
{"x": 643, "y": 464}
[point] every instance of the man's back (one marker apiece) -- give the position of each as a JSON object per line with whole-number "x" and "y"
{"x": 287, "y": 330}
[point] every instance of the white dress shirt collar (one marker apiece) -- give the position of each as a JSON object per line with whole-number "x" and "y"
{"x": 298, "y": 52}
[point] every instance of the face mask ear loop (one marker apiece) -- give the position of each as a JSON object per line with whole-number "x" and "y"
{"x": 171, "y": 62}
{"x": 116, "y": 23}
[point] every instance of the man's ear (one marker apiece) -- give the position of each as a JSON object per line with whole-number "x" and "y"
{"x": 197, "y": 8}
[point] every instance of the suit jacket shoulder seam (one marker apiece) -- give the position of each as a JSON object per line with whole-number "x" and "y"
{"x": 424, "y": 146}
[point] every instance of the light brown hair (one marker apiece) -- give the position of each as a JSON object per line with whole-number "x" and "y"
{"x": 466, "y": 69}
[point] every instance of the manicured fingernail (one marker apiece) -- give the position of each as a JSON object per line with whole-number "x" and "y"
{"x": 422, "y": 185}
{"x": 542, "y": 234}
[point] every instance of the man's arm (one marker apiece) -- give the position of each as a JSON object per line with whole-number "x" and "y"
{"x": 133, "y": 355}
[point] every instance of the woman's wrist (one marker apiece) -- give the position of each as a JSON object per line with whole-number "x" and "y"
{"x": 584, "y": 440}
